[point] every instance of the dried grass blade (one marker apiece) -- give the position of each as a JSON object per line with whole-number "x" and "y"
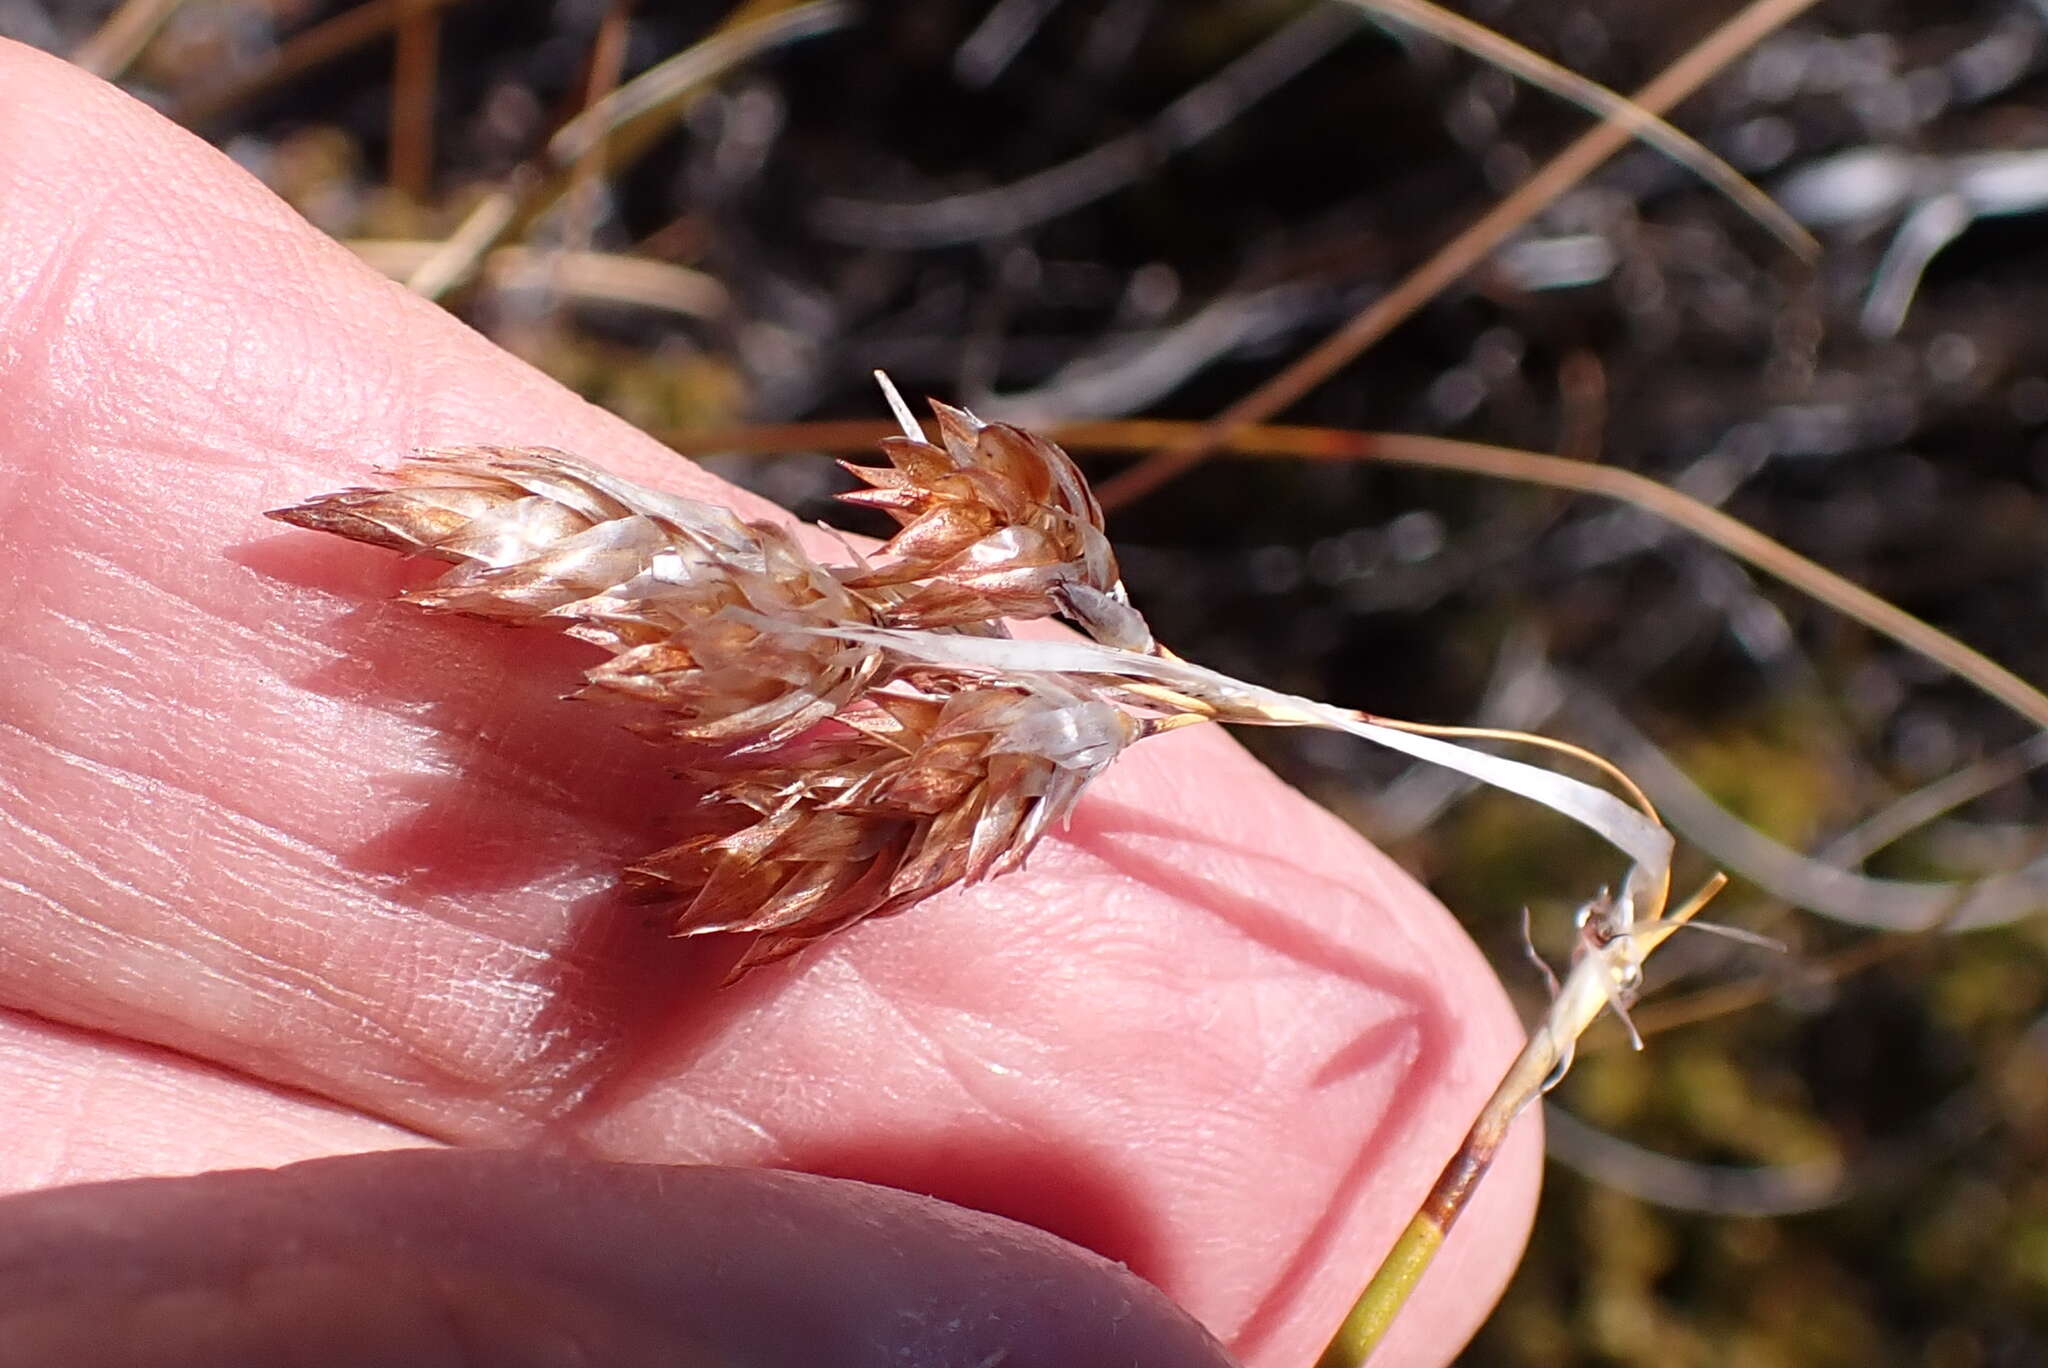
{"x": 314, "y": 47}
{"x": 640, "y": 106}
{"x": 116, "y": 44}
{"x": 1018, "y": 205}
{"x": 1458, "y": 256}
{"x": 662, "y": 89}
{"x": 1702, "y": 520}
{"x": 1538, "y": 70}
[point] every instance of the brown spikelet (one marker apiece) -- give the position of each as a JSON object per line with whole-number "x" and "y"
{"x": 676, "y": 589}
{"x": 996, "y": 523}
{"x": 909, "y": 795}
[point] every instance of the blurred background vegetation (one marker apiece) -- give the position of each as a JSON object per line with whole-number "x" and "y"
{"x": 1095, "y": 209}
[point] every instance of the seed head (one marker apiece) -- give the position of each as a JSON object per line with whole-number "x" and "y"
{"x": 676, "y": 589}
{"x": 996, "y": 523}
{"x": 897, "y": 799}
{"x": 840, "y": 781}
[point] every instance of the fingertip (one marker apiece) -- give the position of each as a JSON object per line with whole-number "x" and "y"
{"x": 387, "y": 1258}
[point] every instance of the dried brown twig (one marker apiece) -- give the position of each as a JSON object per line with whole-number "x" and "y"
{"x": 415, "y": 73}
{"x": 1594, "y": 98}
{"x": 1463, "y": 252}
{"x": 640, "y": 106}
{"x": 116, "y": 44}
{"x": 322, "y": 43}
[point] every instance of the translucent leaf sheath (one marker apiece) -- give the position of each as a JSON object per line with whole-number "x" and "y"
{"x": 864, "y": 735}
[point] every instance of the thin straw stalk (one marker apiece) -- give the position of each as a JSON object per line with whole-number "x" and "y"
{"x": 1483, "y": 43}
{"x": 1462, "y": 253}
{"x": 116, "y": 44}
{"x": 322, "y": 43}
{"x": 640, "y": 106}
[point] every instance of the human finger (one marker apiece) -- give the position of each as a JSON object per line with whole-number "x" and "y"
{"x": 263, "y": 817}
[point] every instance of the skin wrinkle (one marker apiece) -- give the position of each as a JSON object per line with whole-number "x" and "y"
{"x": 1314, "y": 1252}
{"x": 155, "y": 787}
{"x": 923, "y": 1044}
{"x": 1377, "y": 872}
{"x": 206, "y": 377}
{"x": 245, "y": 636}
{"x": 134, "y": 575}
{"x": 188, "y": 266}
{"x": 49, "y": 904}
{"x": 740, "y": 1121}
{"x": 63, "y": 855}
{"x": 238, "y": 991}
{"x": 110, "y": 638}
{"x": 1429, "y": 1044}
{"x": 298, "y": 984}
{"x": 32, "y": 325}
{"x": 531, "y": 1060}
{"x": 977, "y": 1078}
{"x": 1393, "y": 1059}
{"x": 978, "y": 1069}
{"x": 93, "y": 1060}
{"x": 271, "y": 636}
{"x": 294, "y": 844}
{"x": 517, "y": 1001}
{"x": 506, "y": 768}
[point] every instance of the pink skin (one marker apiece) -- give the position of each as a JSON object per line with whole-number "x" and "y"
{"x": 288, "y": 870}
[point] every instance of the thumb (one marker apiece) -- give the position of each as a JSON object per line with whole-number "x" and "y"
{"x": 423, "y": 1257}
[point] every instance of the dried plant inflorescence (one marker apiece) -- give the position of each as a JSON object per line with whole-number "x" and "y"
{"x": 666, "y": 584}
{"x": 997, "y": 523}
{"x": 865, "y": 734}
{"x": 842, "y": 780}
{"x": 896, "y": 800}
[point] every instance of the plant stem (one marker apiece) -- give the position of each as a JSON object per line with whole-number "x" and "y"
{"x": 1373, "y": 1313}
{"x": 1605, "y": 972}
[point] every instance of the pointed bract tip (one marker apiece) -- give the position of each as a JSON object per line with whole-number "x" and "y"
{"x": 904, "y": 418}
